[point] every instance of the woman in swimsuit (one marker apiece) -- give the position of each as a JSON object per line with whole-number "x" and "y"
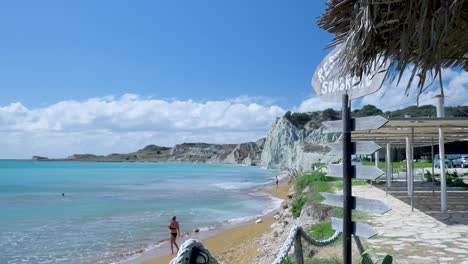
{"x": 174, "y": 230}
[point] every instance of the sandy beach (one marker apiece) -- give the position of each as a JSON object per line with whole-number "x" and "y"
{"x": 238, "y": 244}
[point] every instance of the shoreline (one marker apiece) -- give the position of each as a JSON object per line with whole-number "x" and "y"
{"x": 227, "y": 239}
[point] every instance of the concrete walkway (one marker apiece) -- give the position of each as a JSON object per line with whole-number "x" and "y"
{"x": 415, "y": 237}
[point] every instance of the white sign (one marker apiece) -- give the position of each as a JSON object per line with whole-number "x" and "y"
{"x": 329, "y": 83}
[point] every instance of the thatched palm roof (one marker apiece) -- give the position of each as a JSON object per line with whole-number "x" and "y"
{"x": 427, "y": 34}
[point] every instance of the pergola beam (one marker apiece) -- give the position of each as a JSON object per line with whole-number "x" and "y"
{"x": 418, "y": 132}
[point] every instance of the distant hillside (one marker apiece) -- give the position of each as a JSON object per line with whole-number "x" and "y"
{"x": 316, "y": 118}
{"x": 149, "y": 153}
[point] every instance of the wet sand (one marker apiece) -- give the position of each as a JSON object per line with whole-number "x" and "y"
{"x": 238, "y": 244}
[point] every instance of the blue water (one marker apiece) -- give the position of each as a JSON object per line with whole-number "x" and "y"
{"x": 112, "y": 210}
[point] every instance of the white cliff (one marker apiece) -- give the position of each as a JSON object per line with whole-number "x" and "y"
{"x": 287, "y": 147}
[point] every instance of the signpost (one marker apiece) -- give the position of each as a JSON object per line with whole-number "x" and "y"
{"x": 357, "y": 229}
{"x": 332, "y": 83}
{"x": 358, "y": 203}
{"x": 358, "y": 172}
{"x": 360, "y": 147}
{"x": 348, "y": 172}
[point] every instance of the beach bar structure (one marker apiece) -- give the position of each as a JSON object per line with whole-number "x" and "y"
{"x": 416, "y": 132}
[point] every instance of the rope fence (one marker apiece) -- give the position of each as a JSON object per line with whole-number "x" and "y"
{"x": 295, "y": 235}
{"x": 192, "y": 251}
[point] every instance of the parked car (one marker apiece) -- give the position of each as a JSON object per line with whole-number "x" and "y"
{"x": 356, "y": 160}
{"x": 448, "y": 161}
{"x": 461, "y": 162}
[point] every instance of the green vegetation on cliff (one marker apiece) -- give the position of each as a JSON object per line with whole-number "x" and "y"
{"x": 316, "y": 118}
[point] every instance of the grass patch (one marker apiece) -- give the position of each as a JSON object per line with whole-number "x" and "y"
{"x": 321, "y": 231}
{"x": 322, "y": 261}
{"x": 318, "y": 182}
{"x": 398, "y": 164}
{"x": 317, "y": 188}
{"x": 309, "y": 178}
{"x": 355, "y": 215}
{"x": 289, "y": 260}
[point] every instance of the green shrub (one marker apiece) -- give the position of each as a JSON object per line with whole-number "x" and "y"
{"x": 287, "y": 260}
{"x": 366, "y": 259}
{"x": 458, "y": 183}
{"x": 428, "y": 176}
{"x": 318, "y": 166}
{"x": 297, "y": 205}
{"x": 454, "y": 180}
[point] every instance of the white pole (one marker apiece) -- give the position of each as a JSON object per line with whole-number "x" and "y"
{"x": 376, "y": 158}
{"x": 408, "y": 165}
{"x": 443, "y": 178}
{"x": 388, "y": 160}
{"x": 412, "y": 169}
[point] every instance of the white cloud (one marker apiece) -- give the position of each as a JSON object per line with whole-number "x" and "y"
{"x": 392, "y": 96}
{"x": 316, "y": 104}
{"x": 109, "y": 124}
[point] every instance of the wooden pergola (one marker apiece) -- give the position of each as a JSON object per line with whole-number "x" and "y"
{"x": 423, "y": 131}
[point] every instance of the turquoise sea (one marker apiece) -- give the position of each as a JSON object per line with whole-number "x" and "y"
{"x": 110, "y": 211}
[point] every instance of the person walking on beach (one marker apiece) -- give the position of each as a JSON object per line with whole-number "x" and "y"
{"x": 174, "y": 229}
{"x": 277, "y": 182}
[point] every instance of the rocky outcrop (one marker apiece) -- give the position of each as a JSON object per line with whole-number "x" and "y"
{"x": 200, "y": 152}
{"x": 246, "y": 153}
{"x": 39, "y": 158}
{"x": 287, "y": 147}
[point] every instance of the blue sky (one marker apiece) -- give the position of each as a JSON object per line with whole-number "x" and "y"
{"x": 114, "y": 76}
{"x": 200, "y": 50}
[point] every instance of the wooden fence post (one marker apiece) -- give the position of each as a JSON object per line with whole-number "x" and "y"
{"x": 298, "y": 249}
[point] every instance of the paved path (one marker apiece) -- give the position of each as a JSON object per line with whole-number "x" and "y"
{"x": 415, "y": 237}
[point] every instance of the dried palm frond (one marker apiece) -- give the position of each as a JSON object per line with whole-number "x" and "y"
{"x": 427, "y": 34}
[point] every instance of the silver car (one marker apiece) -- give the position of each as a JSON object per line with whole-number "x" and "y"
{"x": 461, "y": 162}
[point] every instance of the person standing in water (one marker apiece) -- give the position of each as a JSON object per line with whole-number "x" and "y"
{"x": 277, "y": 182}
{"x": 174, "y": 229}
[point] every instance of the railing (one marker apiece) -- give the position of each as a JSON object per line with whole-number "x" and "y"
{"x": 295, "y": 236}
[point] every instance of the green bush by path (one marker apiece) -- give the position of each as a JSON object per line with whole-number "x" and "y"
{"x": 297, "y": 205}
